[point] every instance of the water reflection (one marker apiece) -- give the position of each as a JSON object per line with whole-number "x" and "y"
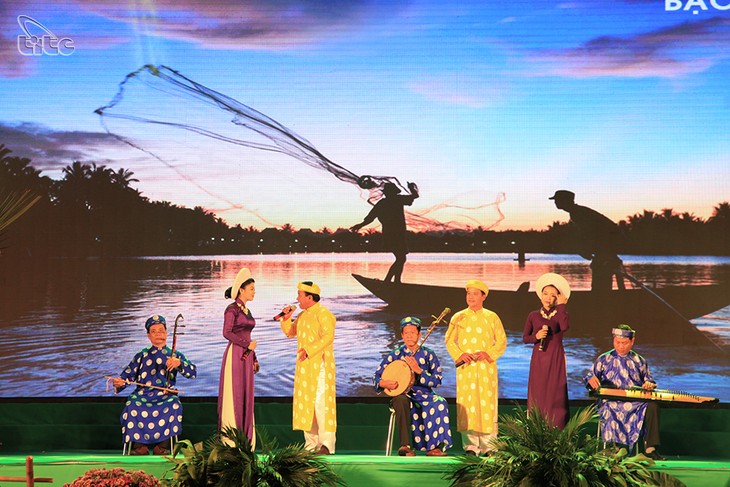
{"x": 67, "y": 324}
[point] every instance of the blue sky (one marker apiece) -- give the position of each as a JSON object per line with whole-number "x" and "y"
{"x": 622, "y": 102}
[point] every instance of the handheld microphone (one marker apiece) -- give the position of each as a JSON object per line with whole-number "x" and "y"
{"x": 291, "y": 308}
{"x": 542, "y": 340}
{"x": 460, "y": 363}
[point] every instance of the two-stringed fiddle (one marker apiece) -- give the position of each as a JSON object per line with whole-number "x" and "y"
{"x": 175, "y": 333}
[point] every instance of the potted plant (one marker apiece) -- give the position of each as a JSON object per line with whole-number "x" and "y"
{"x": 531, "y": 452}
{"x": 101, "y": 477}
{"x": 227, "y": 459}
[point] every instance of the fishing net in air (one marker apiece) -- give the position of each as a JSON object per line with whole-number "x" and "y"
{"x": 156, "y": 104}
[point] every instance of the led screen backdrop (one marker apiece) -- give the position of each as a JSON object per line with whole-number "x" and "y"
{"x": 172, "y": 143}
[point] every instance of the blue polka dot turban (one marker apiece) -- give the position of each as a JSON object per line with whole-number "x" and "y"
{"x": 155, "y": 320}
{"x": 410, "y": 321}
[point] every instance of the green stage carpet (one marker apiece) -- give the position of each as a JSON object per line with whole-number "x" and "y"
{"x": 357, "y": 470}
{"x": 68, "y": 436}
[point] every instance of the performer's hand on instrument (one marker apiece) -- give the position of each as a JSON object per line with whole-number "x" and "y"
{"x": 648, "y": 386}
{"x": 172, "y": 363}
{"x": 413, "y": 365}
{"x": 118, "y": 382}
{"x": 302, "y": 355}
{"x": 388, "y": 384}
{"x": 252, "y": 345}
{"x": 594, "y": 383}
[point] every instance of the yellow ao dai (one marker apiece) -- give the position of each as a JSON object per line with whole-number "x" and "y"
{"x": 314, "y": 329}
{"x": 476, "y": 383}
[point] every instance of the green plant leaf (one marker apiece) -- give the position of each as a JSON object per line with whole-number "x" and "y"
{"x": 531, "y": 452}
{"x": 227, "y": 459}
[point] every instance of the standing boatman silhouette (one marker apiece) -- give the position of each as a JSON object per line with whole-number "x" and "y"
{"x": 598, "y": 240}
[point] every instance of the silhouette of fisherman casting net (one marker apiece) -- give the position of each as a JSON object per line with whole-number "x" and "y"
{"x": 161, "y": 96}
{"x": 390, "y": 212}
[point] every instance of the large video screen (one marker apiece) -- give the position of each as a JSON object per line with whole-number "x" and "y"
{"x": 150, "y": 150}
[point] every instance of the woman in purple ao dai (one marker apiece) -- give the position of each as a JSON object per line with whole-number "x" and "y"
{"x": 547, "y": 387}
{"x": 236, "y": 388}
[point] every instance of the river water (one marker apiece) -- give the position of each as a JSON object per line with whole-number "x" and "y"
{"x": 67, "y": 325}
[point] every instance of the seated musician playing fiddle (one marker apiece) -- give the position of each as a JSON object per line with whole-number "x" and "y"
{"x": 152, "y": 415}
{"x": 420, "y": 414}
{"x": 623, "y": 422}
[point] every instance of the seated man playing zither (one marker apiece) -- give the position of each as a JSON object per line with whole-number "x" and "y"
{"x": 623, "y": 422}
{"x": 421, "y": 415}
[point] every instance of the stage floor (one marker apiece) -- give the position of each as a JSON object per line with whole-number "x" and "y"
{"x": 357, "y": 469}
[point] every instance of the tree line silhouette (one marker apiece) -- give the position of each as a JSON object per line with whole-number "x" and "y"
{"x": 95, "y": 211}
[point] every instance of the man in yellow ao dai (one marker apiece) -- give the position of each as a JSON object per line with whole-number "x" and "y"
{"x": 476, "y": 338}
{"x": 314, "y": 409}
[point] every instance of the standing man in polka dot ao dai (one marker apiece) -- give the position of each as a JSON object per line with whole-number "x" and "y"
{"x": 314, "y": 407}
{"x": 476, "y": 339}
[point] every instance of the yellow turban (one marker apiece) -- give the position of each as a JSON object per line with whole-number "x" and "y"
{"x": 476, "y": 284}
{"x": 313, "y": 289}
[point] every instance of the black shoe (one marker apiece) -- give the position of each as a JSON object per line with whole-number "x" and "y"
{"x": 470, "y": 453}
{"x": 406, "y": 451}
{"x": 654, "y": 455}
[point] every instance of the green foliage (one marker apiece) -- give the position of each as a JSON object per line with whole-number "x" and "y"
{"x": 532, "y": 453}
{"x": 18, "y": 188}
{"x": 13, "y": 205}
{"x": 228, "y": 460}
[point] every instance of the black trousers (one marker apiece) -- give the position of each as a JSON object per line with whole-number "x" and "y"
{"x": 651, "y": 425}
{"x": 402, "y": 406}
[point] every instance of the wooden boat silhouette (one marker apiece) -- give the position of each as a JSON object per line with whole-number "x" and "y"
{"x": 592, "y": 313}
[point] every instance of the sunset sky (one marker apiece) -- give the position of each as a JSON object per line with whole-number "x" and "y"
{"x": 622, "y": 102}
